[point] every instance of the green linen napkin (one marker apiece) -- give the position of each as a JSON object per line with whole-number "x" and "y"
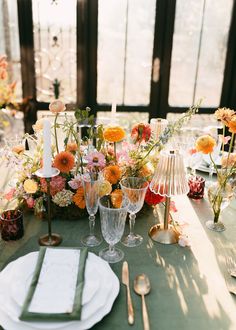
{"x": 27, "y": 315}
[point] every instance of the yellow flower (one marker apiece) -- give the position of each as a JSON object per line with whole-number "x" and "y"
{"x": 205, "y": 144}
{"x": 114, "y": 134}
{"x": 105, "y": 188}
{"x": 30, "y": 186}
{"x": 112, "y": 173}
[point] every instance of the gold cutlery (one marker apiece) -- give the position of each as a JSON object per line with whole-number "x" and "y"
{"x": 142, "y": 287}
{"x": 125, "y": 281}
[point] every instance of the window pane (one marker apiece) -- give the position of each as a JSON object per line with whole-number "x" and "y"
{"x": 9, "y": 42}
{"x": 199, "y": 51}
{"x": 55, "y": 49}
{"x": 125, "y": 47}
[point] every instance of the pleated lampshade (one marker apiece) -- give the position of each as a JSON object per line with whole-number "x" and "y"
{"x": 157, "y": 126}
{"x": 170, "y": 176}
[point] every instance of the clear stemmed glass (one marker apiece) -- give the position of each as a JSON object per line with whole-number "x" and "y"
{"x": 91, "y": 192}
{"x": 112, "y": 225}
{"x": 135, "y": 189}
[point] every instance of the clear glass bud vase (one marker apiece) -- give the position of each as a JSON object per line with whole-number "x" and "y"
{"x": 219, "y": 195}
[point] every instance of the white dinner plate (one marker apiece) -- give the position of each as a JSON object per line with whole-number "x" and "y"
{"x": 205, "y": 168}
{"x": 92, "y": 312}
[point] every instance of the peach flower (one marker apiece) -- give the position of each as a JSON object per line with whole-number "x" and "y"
{"x": 205, "y": 144}
{"x": 57, "y": 106}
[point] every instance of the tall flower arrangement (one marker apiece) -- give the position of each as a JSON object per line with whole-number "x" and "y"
{"x": 112, "y": 159}
{"x": 219, "y": 194}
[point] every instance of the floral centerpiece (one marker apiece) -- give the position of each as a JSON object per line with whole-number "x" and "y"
{"x": 220, "y": 192}
{"x": 112, "y": 158}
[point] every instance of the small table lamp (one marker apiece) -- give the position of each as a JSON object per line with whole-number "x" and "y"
{"x": 169, "y": 180}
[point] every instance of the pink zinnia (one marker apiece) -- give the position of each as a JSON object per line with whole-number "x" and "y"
{"x": 57, "y": 184}
{"x": 95, "y": 159}
{"x": 75, "y": 183}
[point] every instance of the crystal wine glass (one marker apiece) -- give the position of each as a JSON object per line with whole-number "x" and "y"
{"x": 91, "y": 192}
{"x": 112, "y": 225}
{"x": 135, "y": 189}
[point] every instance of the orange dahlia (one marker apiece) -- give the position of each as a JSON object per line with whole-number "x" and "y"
{"x": 72, "y": 147}
{"x": 114, "y": 134}
{"x": 112, "y": 173}
{"x": 205, "y": 144}
{"x": 116, "y": 198}
{"x": 64, "y": 161}
{"x": 79, "y": 199}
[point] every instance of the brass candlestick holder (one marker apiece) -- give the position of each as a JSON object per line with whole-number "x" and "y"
{"x": 50, "y": 239}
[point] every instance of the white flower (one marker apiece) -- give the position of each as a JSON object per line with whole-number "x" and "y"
{"x": 184, "y": 240}
{"x": 63, "y": 198}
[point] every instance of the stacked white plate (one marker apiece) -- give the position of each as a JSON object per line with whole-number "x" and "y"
{"x": 100, "y": 291}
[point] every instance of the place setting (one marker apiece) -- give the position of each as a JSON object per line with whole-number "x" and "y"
{"x": 46, "y": 290}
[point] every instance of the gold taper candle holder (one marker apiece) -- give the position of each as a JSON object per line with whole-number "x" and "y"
{"x": 50, "y": 239}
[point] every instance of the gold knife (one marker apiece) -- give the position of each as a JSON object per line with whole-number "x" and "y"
{"x": 125, "y": 281}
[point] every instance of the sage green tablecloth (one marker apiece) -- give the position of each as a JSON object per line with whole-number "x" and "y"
{"x": 188, "y": 285}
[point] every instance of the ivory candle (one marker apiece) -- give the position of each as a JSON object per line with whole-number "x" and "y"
{"x": 47, "y": 152}
{"x": 113, "y": 109}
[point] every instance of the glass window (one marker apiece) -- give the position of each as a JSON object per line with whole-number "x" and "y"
{"x": 199, "y": 51}
{"x": 54, "y": 26}
{"x": 9, "y": 42}
{"x": 125, "y": 48}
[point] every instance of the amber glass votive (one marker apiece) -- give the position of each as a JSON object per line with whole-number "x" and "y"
{"x": 11, "y": 224}
{"x": 196, "y": 187}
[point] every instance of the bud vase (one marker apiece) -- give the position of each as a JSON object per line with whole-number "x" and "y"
{"x": 219, "y": 196}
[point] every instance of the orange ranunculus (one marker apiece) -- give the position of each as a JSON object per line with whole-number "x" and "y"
{"x": 112, "y": 173}
{"x": 64, "y": 161}
{"x": 79, "y": 199}
{"x": 232, "y": 124}
{"x": 205, "y": 144}
{"x": 57, "y": 106}
{"x": 116, "y": 198}
{"x": 114, "y": 134}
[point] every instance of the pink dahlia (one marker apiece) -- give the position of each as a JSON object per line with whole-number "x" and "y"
{"x": 57, "y": 184}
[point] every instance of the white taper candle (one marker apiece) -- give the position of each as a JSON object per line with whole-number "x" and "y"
{"x": 113, "y": 109}
{"x": 47, "y": 152}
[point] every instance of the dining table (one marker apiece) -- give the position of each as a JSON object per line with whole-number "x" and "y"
{"x": 189, "y": 285}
